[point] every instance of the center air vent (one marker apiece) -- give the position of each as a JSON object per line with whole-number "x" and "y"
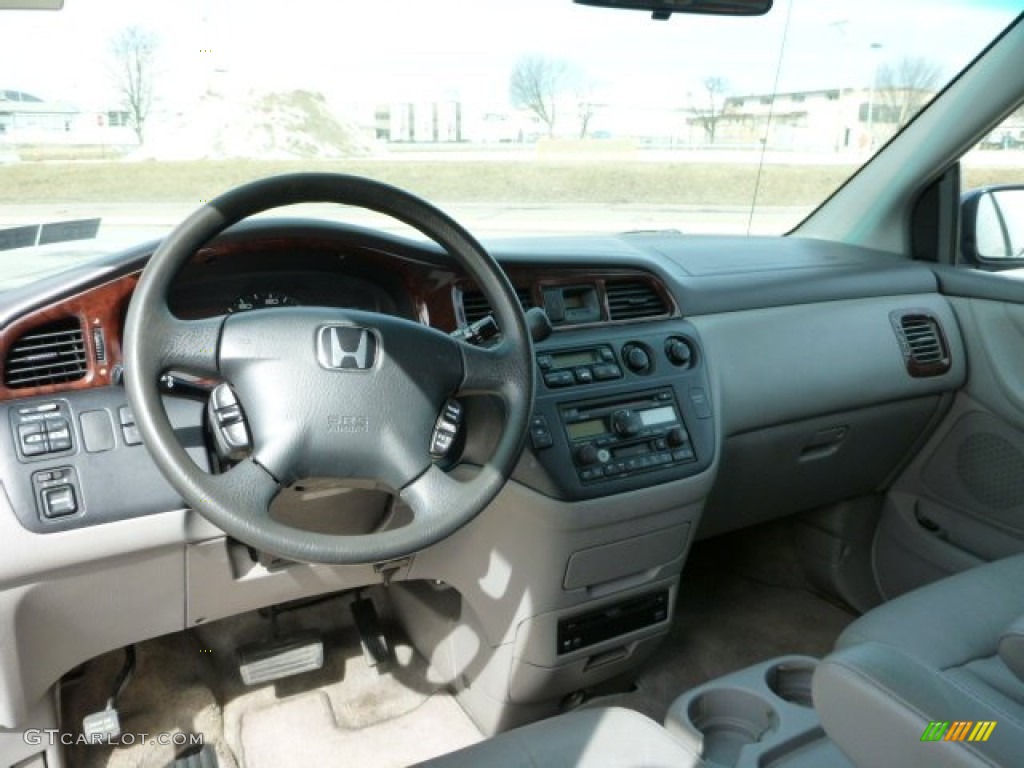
{"x": 49, "y": 354}
{"x": 634, "y": 299}
{"x": 475, "y": 305}
{"x": 922, "y": 342}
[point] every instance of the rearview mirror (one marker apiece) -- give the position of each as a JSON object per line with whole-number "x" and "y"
{"x": 662, "y": 9}
{"x": 992, "y": 226}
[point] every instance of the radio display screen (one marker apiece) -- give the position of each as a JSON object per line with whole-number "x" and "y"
{"x": 571, "y": 359}
{"x": 584, "y": 429}
{"x": 657, "y": 416}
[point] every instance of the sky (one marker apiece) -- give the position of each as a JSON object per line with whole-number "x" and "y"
{"x": 372, "y": 51}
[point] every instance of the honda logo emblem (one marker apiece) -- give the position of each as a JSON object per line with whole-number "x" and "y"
{"x": 346, "y": 347}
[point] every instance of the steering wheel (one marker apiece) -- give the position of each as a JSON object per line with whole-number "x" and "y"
{"x": 328, "y": 392}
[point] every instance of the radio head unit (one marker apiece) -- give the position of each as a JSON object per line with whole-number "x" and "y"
{"x": 616, "y": 436}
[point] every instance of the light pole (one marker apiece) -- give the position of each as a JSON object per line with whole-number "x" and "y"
{"x": 871, "y": 96}
{"x": 841, "y": 122}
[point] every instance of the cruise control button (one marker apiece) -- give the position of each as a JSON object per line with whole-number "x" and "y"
{"x": 541, "y": 438}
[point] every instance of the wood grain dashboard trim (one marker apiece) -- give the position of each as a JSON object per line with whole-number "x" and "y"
{"x": 100, "y": 307}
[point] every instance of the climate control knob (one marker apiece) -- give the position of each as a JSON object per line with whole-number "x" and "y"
{"x": 626, "y": 423}
{"x": 678, "y": 352}
{"x": 636, "y": 358}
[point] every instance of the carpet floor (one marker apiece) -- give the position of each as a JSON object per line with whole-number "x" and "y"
{"x": 743, "y": 600}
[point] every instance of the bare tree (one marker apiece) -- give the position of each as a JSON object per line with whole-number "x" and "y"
{"x": 536, "y": 85}
{"x": 709, "y": 115}
{"x": 586, "y": 107}
{"x": 134, "y": 50}
{"x": 905, "y": 86}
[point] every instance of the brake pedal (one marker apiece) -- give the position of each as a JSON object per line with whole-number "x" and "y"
{"x": 281, "y": 657}
{"x": 376, "y": 648}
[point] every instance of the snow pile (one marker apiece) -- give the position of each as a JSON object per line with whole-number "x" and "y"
{"x": 269, "y": 126}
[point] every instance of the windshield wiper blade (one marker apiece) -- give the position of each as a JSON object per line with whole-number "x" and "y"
{"x": 31, "y": 235}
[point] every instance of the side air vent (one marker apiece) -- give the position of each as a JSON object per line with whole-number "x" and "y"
{"x": 633, "y": 300}
{"x": 476, "y": 306}
{"x": 49, "y": 354}
{"x": 922, "y": 342}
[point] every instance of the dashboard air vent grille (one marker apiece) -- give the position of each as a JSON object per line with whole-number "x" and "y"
{"x": 49, "y": 354}
{"x": 476, "y": 306}
{"x": 634, "y": 299}
{"x": 923, "y": 343}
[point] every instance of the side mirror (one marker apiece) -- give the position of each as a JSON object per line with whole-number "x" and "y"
{"x": 992, "y": 227}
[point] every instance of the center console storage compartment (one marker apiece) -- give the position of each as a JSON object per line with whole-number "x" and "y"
{"x": 760, "y": 716}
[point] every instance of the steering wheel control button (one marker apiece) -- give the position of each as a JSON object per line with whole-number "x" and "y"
{"x": 540, "y": 434}
{"x": 230, "y": 433}
{"x": 446, "y": 429}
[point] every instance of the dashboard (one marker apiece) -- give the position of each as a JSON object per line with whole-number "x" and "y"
{"x": 689, "y": 386}
{"x": 625, "y": 399}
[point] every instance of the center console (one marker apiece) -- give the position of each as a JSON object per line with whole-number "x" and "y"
{"x": 619, "y": 414}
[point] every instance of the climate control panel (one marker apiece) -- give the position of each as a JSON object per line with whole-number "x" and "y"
{"x": 621, "y": 413}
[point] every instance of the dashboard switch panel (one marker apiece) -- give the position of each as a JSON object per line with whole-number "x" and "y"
{"x": 42, "y": 431}
{"x": 56, "y": 492}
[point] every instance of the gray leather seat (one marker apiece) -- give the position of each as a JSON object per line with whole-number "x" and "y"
{"x": 946, "y": 652}
{"x": 595, "y": 738}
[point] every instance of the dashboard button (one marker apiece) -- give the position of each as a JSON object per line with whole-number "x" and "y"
{"x": 59, "y": 501}
{"x": 683, "y": 454}
{"x": 584, "y": 375}
{"x": 558, "y": 379}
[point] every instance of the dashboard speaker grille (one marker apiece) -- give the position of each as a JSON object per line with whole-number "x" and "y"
{"x": 49, "y": 354}
{"x": 633, "y": 300}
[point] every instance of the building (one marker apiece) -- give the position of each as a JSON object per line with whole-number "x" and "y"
{"x": 28, "y": 117}
{"x": 828, "y": 119}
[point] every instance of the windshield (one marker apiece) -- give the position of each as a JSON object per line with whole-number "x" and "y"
{"x": 528, "y": 117}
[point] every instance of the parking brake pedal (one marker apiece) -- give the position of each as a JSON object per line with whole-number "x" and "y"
{"x": 106, "y": 725}
{"x": 281, "y": 657}
{"x": 372, "y": 637}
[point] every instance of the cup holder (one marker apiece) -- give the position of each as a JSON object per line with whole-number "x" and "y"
{"x": 791, "y": 681}
{"x": 729, "y": 719}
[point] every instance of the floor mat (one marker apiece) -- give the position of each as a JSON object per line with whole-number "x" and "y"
{"x": 304, "y": 731}
{"x": 742, "y": 599}
{"x": 345, "y": 713}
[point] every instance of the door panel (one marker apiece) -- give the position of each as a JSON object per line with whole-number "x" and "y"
{"x": 961, "y": 501}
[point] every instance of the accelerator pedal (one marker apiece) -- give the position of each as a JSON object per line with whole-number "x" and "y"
{"x": 280, "y": 657}
{"x": 373, "y": 639}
